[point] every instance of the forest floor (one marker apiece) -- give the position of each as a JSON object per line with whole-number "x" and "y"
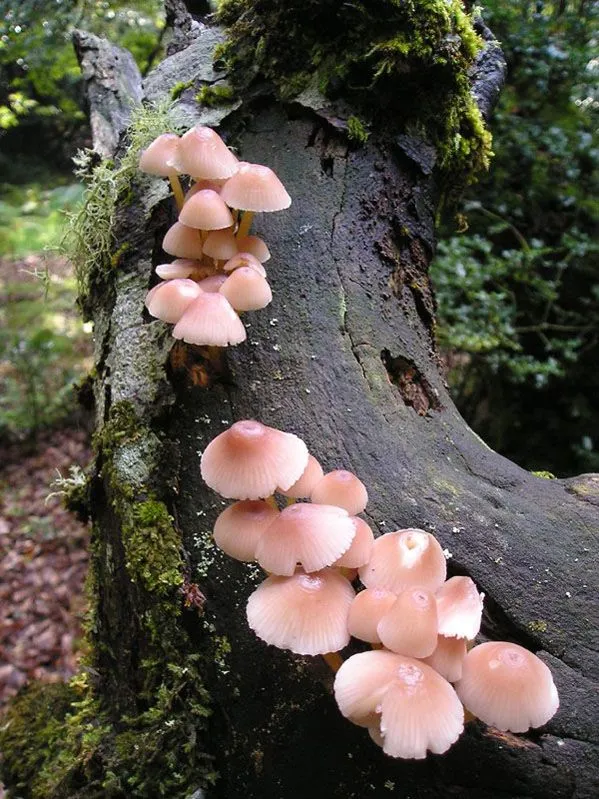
{"x": 43, "y": 563}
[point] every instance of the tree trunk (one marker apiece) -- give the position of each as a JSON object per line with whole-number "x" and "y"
{"x": 345, "y": 356}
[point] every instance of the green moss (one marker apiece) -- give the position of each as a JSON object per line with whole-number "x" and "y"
{"x": 357, "y": 131}
{"x": 179, "y": 88}
{"x": 213, "y": 96}
{"x": 153, "y": 547}
{"x": 117, "y": 255}
{"x": 403, "y": 63}
{"x": 544, "y": 474}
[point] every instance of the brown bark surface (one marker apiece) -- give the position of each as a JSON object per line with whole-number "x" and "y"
{"x": 345, "y": 357}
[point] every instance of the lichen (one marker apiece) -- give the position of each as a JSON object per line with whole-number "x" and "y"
{"x": 404, "y": 65}
{"x": 214, "y": 96}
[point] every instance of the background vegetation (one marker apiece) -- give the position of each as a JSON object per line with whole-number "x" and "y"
{"x": 518, "y": 290}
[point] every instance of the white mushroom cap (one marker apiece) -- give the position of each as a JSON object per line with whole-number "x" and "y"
{"x": 183, "y": 241}
{"x": 210, "y": 321}
{"x": 182, "y": 267}
{"x": 203, "y": 154}
{"x": 255, "y": 188}
{"x": 157, "y": 157}
{"x": 460, "y": 608}
{"x": 240, "y": 526}
{"x": 410, "y": 626}
{"x": 306, "y": 613}
{"x": 212, "y": 283}
{"x": 311, "y": 535}
{"x": 403, "y": 559}
{"x": 507, "y": 686}
{"x": 249, "y": 460}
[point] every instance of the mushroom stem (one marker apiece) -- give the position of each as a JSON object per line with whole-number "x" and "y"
{"x": 289, "y": 501}
{"x": 333, "y": 660}
{"x": 177, "y": 190}
{"x": 272, "y": 502}
{"x": 245, "y": 224}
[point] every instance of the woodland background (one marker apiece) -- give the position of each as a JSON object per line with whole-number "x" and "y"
{"x": 516, "y": 278}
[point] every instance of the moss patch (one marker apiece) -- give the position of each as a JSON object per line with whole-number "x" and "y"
{"x": 357, "y": 131}
{"x": 401, "y": 62}
{"x": 544, "y": 474}
{"x": 179, "y": 88}
{"x": 213, "y": 96}
{"x": 153, "y": 547}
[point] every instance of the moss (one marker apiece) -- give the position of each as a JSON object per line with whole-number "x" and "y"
{"x": 179, "y": 88}
{"x": 357, "y": 131}
{"x": 537, "y": 626}
{"x": 544, "y": 474}
{"x": 403, "y": 64}
{"x": 153, "y": 547}
{"x": 117, "y": 255}
{"x": 213, "y": 96}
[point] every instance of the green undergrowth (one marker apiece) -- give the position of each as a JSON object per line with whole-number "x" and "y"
{"x": 62, "y": 742}
{"x": 89, "y": 241}
{"x": 394, "y": 60}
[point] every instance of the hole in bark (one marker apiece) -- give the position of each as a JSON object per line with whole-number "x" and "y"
{"x": 414, "y": 388}
{"x": 326, "y": 164}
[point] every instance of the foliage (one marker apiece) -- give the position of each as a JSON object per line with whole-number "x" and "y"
{"x": 519, "y": 291}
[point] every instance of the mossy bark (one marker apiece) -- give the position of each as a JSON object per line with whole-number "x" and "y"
{"x": 345, "y": 356}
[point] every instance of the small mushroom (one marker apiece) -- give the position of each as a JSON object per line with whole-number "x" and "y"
{"x": 254, "y": 188}
{"x": 448, "y": 657}
{"x": 168, "y": 301}
{"x": 303, "y": 487}
{"x": 410, "y": 625}
{"x": 239, "y": 527}
{"x": 204, "y": 155}
{"x": 181, "y": 267}
{"x": 210, "y": 321}
{"x": 206, "y": 211}
{"x": 246, "y": 290}
{"x": 212, "y": 283}
{"x": 220, "y": 244}
{"x": 361, "y": 548}
{"x": 183, "y": 241}
{"x": 241, "y": 259}
{"x": 360, "y": 685}
{"x": 255, "y": 246}
{"x": 341, "y": 488}
{"x": 403, "y": 559}
{"x": 460, "y": 608}
{"x": 157, "y": 159}
{"x": 367, "y": 609}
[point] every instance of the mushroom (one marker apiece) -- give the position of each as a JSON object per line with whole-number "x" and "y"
{"x": 448, "y": 657}
{"x": 254, "y": 188}
{"x": 361, "y": 547}
{"x": 305, "y": 613}
{"x": 507, "y": 686}
{"x": 410, "y": 625}
{"x": 183, "y": 241}
{"x": 460, "y": 608}
{"x": 220, "y": 244}
{"x": 157, "y": 159}
{"x": 246, "y": 290}
{"x": 206, "y": 211}
{"x": 303, "y": 487}
{"x": 238, "y": 528}
{"x": 241, "y": 259}
{"x": 361, "y": 683}
{"x": 255, "y": 246}
{"x": 181, "y": 267}
{"x": 403, "y": 559}
{"x": 312, "y": 535}
{"x": 341, "y": 488}
{"x": 204, "y": 155}
{"x": 249, "y": 460}
{"x": 212, "y": 283}
{"x": 367, "y": 609}
{"x": 168, "y": 301}
{"x": 210, "y": 321}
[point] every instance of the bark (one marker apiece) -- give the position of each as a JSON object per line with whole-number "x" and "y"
{"x": 345, "y": 356}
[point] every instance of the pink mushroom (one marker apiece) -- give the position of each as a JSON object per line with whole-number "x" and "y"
{"x": 403, "y": 559}
{"x": 341, "y": 488}
{"x": 240, "y": 526}
{"x": 210, "y": 321}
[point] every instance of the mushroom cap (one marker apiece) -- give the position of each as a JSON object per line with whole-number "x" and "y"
{"x": 239, "y": 527}
{"x": 212, "y": 283}
{"x": 403, "y": 559}
{"x": 312, "y": 535}
{"x": 366, "y": 611}
{"x": 183, "y": 241}
{"x": 255, "y": 246}
{"x": 507, "y": 686}
{"x": 203, "y": 154}
{"x": 410, "y": 626}
{"x": 244, "y": 259}
{"x": 169, "y": 300}
{"x": 220, "y": 244}
{"x": 210, "y": 321}
{"x": 341, "y": 488}
{"x": 182, "y": 267}
{"x": 448, "y": 657}
{"x": 255, "y": 188}
{"x": 460, "y": 608}
{"x": 156, "y": 157}
{"x": 302, "y": 488}
{"x": 361, "y": 683}
{"x": 306, "y": 613}
{"x": 246, "y": 290}
{"x": 200, "y": 185}
{"x": 249, "y": 460}
{"x": 420, "y": 712}
{"x": 205, "y": 210}
{"x": 361, "y": 547}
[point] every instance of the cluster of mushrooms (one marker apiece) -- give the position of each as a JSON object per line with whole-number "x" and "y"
{"x": 420, "y": 625}
{"x": 217, "y": 272}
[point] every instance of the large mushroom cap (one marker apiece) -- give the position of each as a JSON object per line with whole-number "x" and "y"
{"x": 341, "y": 488}
{"x": 183, "y": 241}
{"x": 306, "y": 613}
{"x": 240, "y": 526}
{"x": 460, "y": 608}
{"x": 403, "y": 559}
{"x": 249, "y": 460}
{"x": 255, "y": 188}
{"x": 205, "y": 210}
{"x": 367, "y": 609}
{"x": 246, "y": 290}
{"x": 203, "y": 154}
{"x": 361, "y": 683}
{"x": 157, "y": 157}
{"x": 507, "y": 686}
{"x": 420, "y": 712}
{"x": 410, "y": 625}
{"x": 168, "y": 301}
{"x": 210, "y": 321}
{"x": 312, "y": 535}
